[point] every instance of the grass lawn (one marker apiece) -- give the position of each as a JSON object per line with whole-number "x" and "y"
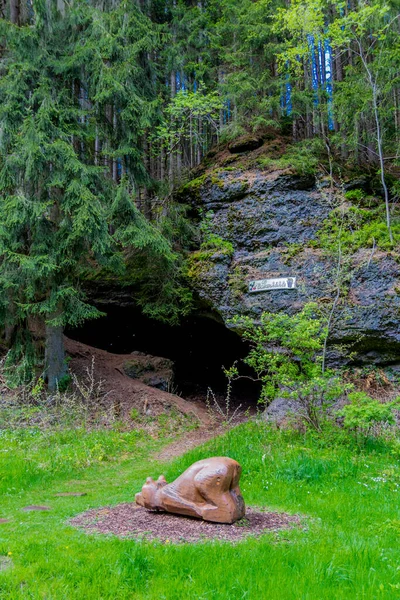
{"x": 349, "y": 548}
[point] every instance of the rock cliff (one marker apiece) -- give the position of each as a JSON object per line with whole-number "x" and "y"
{"x": 264, "y": 225}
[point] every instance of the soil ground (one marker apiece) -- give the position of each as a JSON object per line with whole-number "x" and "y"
{"x": 123, "y": 391}
{"x": 132, "y": 521}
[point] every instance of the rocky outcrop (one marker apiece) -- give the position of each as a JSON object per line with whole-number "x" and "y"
{"x": 271, "y": 221}
{"x": 154, "y": 371}
{"x": 245, "y": 144}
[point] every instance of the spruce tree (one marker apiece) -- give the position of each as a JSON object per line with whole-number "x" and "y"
{"x": 58, "y": 200}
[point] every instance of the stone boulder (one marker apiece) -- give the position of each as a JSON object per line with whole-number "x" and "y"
{"x": 154, "y": 371}
{"x": 245, "y": 144}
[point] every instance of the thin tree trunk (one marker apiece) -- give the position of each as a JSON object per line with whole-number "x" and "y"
{"x": 191, "y": 143}
{"x": 146, "y": 195}
{"x": 171, "y": 152}
{"x": 55, "y": 365}
{"x": 379, "y": 140}
{"x": 338, "y": 281}
{"x": 96, "y": 148}
{"x": 114, "y": 161}
{"x": 162, "y": 163}
{"x": 14, "y": 11}
{"x": 61, "y": 6}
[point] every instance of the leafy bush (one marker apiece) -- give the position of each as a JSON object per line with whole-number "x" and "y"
{"x": 286, "y": 354}
{"x": 364, "y": 413}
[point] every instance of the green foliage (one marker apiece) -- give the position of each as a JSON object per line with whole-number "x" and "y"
{"x": 354, "y": 195}
{"x": 286, "y": 354}
{"x": 358, "y": 228}
{"x": 192, "y": 188}
{"x": 61, "y": 214}
{"x": 21, "y": 361}
{"x": 212, "y": 248}
{"x": 158, "y": 270}
{"x": 101, "y": 103}
{"x": 212, "y": 242}
{"x": 64, "y": 383}
{"x": 161, "y": 286}
{"x": 185, "y": 109}
{"x": 215, "y": 243}
{"x": 292, "y": 250}
{"x": 38, "y": 388}
{"x": 364, "y": 413}
{"x": 134, "y": 414}
{"x": 302, "y": 158}
{"x": 365, "y": 70}
{"x": 237, "y": 283}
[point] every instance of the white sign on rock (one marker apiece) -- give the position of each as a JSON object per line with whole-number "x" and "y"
{"x": 281, "y": 283}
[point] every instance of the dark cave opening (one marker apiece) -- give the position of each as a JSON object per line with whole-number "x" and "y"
{"x": 199, "y": 347}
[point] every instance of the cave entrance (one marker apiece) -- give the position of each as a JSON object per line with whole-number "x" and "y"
{"x": 199, "y": 348}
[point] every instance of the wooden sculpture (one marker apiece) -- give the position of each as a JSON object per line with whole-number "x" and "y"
{"x": 208, "y": 490}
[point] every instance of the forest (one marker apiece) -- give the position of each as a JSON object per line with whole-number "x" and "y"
{"x": 107, "y": 106}
{"x": 199, "y": 261}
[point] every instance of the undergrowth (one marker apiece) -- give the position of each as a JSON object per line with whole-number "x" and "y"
{"x": 303, "y": 158}
{"x": 360, "y": 228}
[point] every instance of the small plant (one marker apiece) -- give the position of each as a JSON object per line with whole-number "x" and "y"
{"x": 358, "y": 227}
{"x": 90, "y": 387}
{"x": 237, "y": 283}
{"x": 38, "y": 388}
{"x": 223, "y": 408}
{"x": 64, "y": 383}
{"x": 134, "y": 414}
{"x": 172, "y": 388}
{"x": 364, "y": 413}
{"x": 210, "y": 240}
{"x": 354, "y": 195}
{"x": 291, "y": 251}
{"x": 244, "y": 522}
{"x": 82, "y": 402}
{"x": 173, "y": 420}
{"x": 202, "y": 260}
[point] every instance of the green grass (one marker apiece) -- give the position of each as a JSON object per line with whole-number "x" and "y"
{"x": 348, "y": 547}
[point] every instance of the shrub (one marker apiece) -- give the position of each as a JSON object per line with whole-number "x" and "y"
{"x": 286, "y": 354}
{"x": 363, "y": 413}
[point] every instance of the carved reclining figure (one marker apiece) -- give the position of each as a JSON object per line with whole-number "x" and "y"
{"x": 208, "y": 490}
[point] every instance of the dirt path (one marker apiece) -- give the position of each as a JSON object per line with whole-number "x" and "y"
{"x": 188, "y": 442}
{"x": 127, "y": 393}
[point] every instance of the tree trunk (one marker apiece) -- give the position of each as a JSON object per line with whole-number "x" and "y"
{"x": 14, "y": 11}
{"x": 55, "y": 365}
{"x": 379, "y": 136}
{"x": 9, "y": 332}
{"x": 61, "y": 7}
{"x": 171, "y": 151}
{"x": 114, "y": 129}
{"x": 97, "y": 147}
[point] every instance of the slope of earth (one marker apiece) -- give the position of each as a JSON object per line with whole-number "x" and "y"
{"x": 124, "y": 392}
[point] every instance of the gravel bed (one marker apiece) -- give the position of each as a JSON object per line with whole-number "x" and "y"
{"x": 132, "y": 521}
